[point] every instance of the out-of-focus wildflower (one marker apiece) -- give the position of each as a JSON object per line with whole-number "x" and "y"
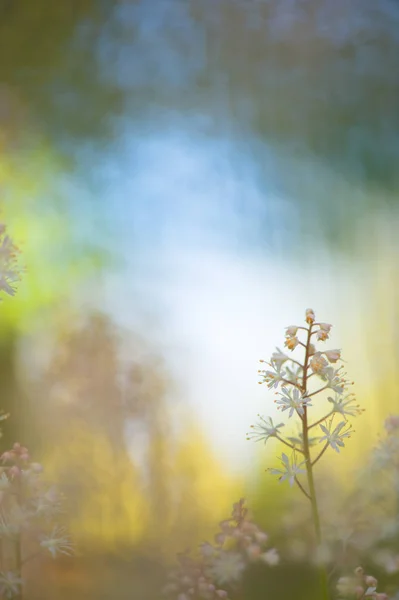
{"x": 391, "y": 424}
{"x": 335, "y": 436}
{"x": 227, "y": 568}
{"x": 271, "y": 557}
{"x": 10, "y": 268}
{"x": 264, "y": 430}
{"x": 239, "y": 543}
{"x": 58, "y": 542}
{"x": 359, "y": 586}
{"x": 290, "y": 469}
{"x": 10, "y": 584}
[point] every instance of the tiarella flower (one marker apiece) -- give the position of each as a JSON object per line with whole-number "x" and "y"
{"x": 273, "y": 378}
{"x": 271, "y": 557}
{"x": 322, "y": 336}
{"x": 58, "y": 542}
{"x": 10, "y": 584}
{"x": 292, "y": 400}
{"x": 335, "y": 437}
{"x": 290, "y": 469}
{"x": 391, "y": 424}
{"x": 278, "y": 358}
{"x": 207, "y": 550}
{"x": 346, "y": 586}
{"x": 10, "y": 270}
{"x": 291, "y": 331}
{"x": 49, "y": 503}
{"x": 227, "y": 567}
{"x": 345, "y": 405}
{"x": 333, "y": 355}
{"x": 264, "y": 430}
{"x": 318, "y": 363}
{"x": 4, "y": 482}
{"x": 291, "y": 342}
{"x": 293, "y": 375}
{"x": 334, "y": 380}
{"x": 297, "y": 441}
{"x": 310, "y": 316}
{"x": 9, "y": 527}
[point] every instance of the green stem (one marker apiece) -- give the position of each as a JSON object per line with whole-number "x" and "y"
{"x": 309, "y": 472}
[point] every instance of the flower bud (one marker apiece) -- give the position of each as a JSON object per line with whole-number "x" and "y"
{"x": 333, "y": 355}
{"x": 391, "y": 423}
{"x": 370, "y": 581}
{"x": 310, "y": 316}
{"x": 322, "y": 336}
{"x": 291, "y": 343}
{"x": 318, "y": 363}
{"x": 291, "y": 331}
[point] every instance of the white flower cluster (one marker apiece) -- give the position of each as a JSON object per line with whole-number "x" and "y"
{"x": 295, "y": 379}
{"x": 359, "y": 586}
{"x": 27, "y": 503}
{"x": 220, "y": 565}
{"x": 10, "y": 269}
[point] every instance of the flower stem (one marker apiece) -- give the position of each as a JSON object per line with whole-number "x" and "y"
{"x": 309, "y": 470}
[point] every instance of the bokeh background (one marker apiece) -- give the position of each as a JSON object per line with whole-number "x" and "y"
{"x": 184, "y": 178}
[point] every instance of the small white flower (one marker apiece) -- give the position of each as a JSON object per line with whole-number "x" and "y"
{"x": 310, "y": 316}
{"x": 278, "y": 358}
{"x": 391, "y": 424}
{"x": 290, "y": 469}
{"x": 4, "y": 482}
{"x": 292, "y": 400}
{"x": 10, "y": 584}
{"x": 335, "y": 437}
{"x": 346, "y": 586}
{"x": 273, "y": 378}
{"x": 345, "y": 405}
{"x": 271, "y": 557}
{"x": 333, "y": 355}
{"x": 291, "y": 331}
{"x": 333, "y": 379}
{"x": 58, "y": 542}
{"x": 264, "y": 430}
{"x": 227, "y": 567}
{"x": 291, "y": 342}
{"x": 318, "y": 363}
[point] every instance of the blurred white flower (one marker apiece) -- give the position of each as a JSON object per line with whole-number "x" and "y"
{"x": 227, "y": 567}
{"x": 290, "y": 469}
{"x": 10, "y": 584}
{"x": 58, "y": 542}
{"x": 264, "y": 430}
{"x": 278, "y": 358}
{"x": 271, "y": 557}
